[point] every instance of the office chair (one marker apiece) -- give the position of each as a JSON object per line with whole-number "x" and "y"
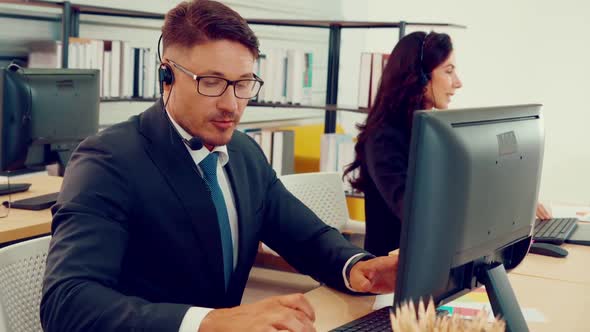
{"x": 22, "y": 267}
{"x": 322, "y": 193}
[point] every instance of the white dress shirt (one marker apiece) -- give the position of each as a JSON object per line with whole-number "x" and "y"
{"x": 193, "y": 317}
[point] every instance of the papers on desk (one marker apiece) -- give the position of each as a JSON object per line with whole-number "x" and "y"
{"x": 571, "y": 211}
{"x": 467, "y": 306}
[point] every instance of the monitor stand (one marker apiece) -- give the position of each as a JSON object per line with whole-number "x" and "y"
{"x": 64, "y": 152}
{"x": 502, "y": 298}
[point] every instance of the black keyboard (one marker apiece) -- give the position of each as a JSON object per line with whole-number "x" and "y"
{"x": 377, "y": 321}
{"x": 6, "y": 189}
{"x": 41, "y": 202}
{"x": 554, "y": 230}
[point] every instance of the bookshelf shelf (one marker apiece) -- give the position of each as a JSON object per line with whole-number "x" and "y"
{"x": 328, "y": 108}
{"x": 70, "y": 20}
{"x": 106, "y": 11}
{"x": 35, "y": 3}
{"x": 118, "y": 100}
{"x": 36, "y": 17}
{"x": 345, "y": 24}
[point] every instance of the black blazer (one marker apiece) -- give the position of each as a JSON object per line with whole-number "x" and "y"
{"x": 385, "y": 169}
{"x": 135, "y": 234}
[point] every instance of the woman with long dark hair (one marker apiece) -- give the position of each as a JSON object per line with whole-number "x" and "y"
{"x": 420, "y": 74}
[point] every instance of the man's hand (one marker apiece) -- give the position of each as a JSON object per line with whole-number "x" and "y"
{"x": 280, "y": 313}
{"x": 377, "y": 275}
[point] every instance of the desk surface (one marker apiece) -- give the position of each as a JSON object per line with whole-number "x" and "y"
{"x": 22, "y": 224}
{"x": 573, "y": 268}
{"x": 558, "y": 288}
{"x": 563, "y": 304}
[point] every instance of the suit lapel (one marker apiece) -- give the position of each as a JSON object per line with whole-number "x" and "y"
{"x": 169, "y": 154}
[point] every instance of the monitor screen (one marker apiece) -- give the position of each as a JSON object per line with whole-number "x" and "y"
{"x": 471, "y": 192}
{"x": 44, "y": 114}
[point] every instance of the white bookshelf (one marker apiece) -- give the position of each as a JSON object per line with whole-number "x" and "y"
{"x": 142, "y": 32}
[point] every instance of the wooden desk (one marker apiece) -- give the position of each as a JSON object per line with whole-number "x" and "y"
{"x": 563, "y": 304}
{"x": 557, "y": 288}
{"x": 22, "y": 224}
{"x": 573, "y": 268}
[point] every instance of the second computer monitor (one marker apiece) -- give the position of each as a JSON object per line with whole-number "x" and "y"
{"x": 472, "y": 187}
{"x": 44, "y": 114}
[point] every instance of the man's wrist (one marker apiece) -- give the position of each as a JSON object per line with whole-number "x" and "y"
{"x": 360, "y": 258}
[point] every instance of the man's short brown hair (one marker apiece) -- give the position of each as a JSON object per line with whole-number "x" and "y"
{"x": 199, "y": 21}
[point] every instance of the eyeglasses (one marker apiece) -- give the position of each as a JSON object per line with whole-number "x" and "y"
{"x": 214, "y": 86}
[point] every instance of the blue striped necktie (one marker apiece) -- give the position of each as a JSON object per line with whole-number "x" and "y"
{"x": 209, "y": 168}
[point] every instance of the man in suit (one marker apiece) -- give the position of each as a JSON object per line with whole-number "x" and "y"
{"x": 159, "y": 218}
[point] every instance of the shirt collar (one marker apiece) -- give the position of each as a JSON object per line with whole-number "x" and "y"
{"x": 202, "y": 153}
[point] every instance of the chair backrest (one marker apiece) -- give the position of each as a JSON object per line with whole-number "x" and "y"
{"x": 323, "y": 193}
{"x": 22, "y": 267}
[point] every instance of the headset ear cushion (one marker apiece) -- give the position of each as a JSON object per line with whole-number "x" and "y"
{"x": 165, "y": 74}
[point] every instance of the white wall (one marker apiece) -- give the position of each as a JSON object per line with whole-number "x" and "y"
{"x": 515, "y": 52}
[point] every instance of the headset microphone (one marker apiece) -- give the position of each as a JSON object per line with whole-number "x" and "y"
{"x": 165, "y": 75}
{"x": 193, "y": 143}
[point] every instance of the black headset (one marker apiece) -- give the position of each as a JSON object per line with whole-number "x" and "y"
{"x": 424, "y": 77}
{"x": 166, "y": 76}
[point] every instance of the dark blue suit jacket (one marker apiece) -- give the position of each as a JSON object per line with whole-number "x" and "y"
{"x": 136, "y": 240}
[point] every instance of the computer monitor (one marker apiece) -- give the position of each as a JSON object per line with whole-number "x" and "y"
{"x": 471, "y": 192}
{"x": 44, "y": 114}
